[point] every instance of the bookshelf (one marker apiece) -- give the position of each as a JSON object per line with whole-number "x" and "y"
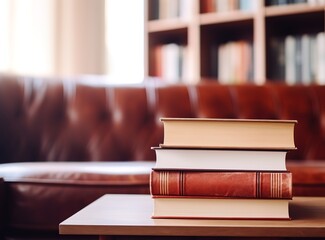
{"x": 236, "y": 41}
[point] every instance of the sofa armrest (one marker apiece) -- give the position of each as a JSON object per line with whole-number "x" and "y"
{"x": 2, "y": 202}
{"x": 308, "y": 178}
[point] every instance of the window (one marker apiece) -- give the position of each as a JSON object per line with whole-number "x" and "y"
{"x": 75, "y": 37}
{"x": 125, "y": 39}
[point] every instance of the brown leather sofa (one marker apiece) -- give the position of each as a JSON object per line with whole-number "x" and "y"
{"x": 66, "y": 142}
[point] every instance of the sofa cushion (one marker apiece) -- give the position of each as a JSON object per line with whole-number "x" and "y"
{"x": 37, "y": 190}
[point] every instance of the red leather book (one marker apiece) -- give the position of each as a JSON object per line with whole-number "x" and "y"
{"x": 223, "y": 184}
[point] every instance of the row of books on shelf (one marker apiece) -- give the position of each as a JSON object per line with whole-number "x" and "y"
{"x": 165, "y": 9}
{"x": 233, "y": 62}
{"x": 293, "y": 58}
{"x": 298, "y": 58}
{"x": 286, "y": 2}
{"x": 225, "y": 6}
{"x": 223, "y": 169}
{"x": 171, "y": 62}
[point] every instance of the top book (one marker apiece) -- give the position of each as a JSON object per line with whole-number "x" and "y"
{"x": 228, "y": 133}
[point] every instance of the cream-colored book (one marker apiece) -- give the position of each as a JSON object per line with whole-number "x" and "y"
{"x": 228, "y": 133}
{"x": 220, "y": 208}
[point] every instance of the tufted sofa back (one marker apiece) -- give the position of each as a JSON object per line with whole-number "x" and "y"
{"x": 71, "y": 120}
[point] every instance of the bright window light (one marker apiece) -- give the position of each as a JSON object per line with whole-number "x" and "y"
{"x": 4, "y": 39}
{"x": 125, "y": 40}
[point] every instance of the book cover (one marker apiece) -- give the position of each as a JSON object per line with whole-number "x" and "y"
{"x": 298, "y": 59}
{"x": 220, "y": 159}
{"x": 320, "y": 41}
{"x": 228, "y": 133}
{"x": 171, "y": 54}
{"x": 306, "y": 68}
{"x": 220, "y": 208}
{"x": 207, "y": 6}
{"x": 221, "y": 184}
{"x": 290, "y": 62}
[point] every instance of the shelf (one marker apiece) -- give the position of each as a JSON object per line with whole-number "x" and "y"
{"x": 284, "y": 10}
{"x": 205, "y": 32}
{"x": 166, "y": 25}
{"x": 234, "y": 16}
{"x": 298, "y": 23}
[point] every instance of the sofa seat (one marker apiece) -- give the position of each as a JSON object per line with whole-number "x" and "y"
{"x": 36, "y": 190}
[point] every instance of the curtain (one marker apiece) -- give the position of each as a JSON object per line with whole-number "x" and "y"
{"x": 52, "y": 37}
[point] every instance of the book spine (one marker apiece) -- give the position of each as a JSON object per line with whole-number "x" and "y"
{"x": 264, "y": 185}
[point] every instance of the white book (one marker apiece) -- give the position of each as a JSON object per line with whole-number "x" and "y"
{"x": 313, "y": 57}
{"x": 306, "y": 59}
{"x": 173, "y": 8}
{"x": 222, "y": 6}
{"x": 289, "y": 48}
{"x": 298, "y": 59}
{"x": 247, "y": 5}
{"x": 185, "y": 74}
{"x": 229, "y": 59}
{"x": 185, "y": 8}
{"x": 320, "y": 41}
{"x": 171, "y": 62}
{"x": 217, "y": 159}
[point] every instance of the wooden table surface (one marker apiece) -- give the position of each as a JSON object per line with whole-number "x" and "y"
{"x": 131, "y": 215}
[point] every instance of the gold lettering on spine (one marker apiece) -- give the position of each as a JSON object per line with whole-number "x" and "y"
{"x": 276, "y": 185}
{"x": 258, "y": 185}
{"x": 271, "y": 185}
{"x": 163, "y": 183}
{"x": 280, "y": 185}
{"x": 160, "y": 182}
{"x": 166, "y": 183}
{"x": 181, "y": 183}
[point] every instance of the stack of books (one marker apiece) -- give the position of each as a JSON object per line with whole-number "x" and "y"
{"x": 223, "y": 169}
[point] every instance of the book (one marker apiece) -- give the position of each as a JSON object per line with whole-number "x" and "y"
{"x": 220, "y": 208}
{"x": 306, "y": 68}
{"x": 234, "y": 61}
{"x": 170, "y": 62}
{"x": 320, "y": 41}
{"x": 247, "y": 5}
{"x": 298, "y": 59}
{"x": 154, "y": 10}
{"x": 313, "y": 57}
{"x": 220, "y": 159}
{"x": 225, "y": 184}
{"x": 290, "y": 54}
{"x": 228, "y": 133}
{"x": 208, "y": 6}
{"x": 171, "y": 67}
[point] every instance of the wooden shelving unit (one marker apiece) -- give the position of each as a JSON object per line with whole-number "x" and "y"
{"x": 213, "y": 39}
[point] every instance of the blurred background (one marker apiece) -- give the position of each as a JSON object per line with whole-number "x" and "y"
{"x": 74, "y": 37}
